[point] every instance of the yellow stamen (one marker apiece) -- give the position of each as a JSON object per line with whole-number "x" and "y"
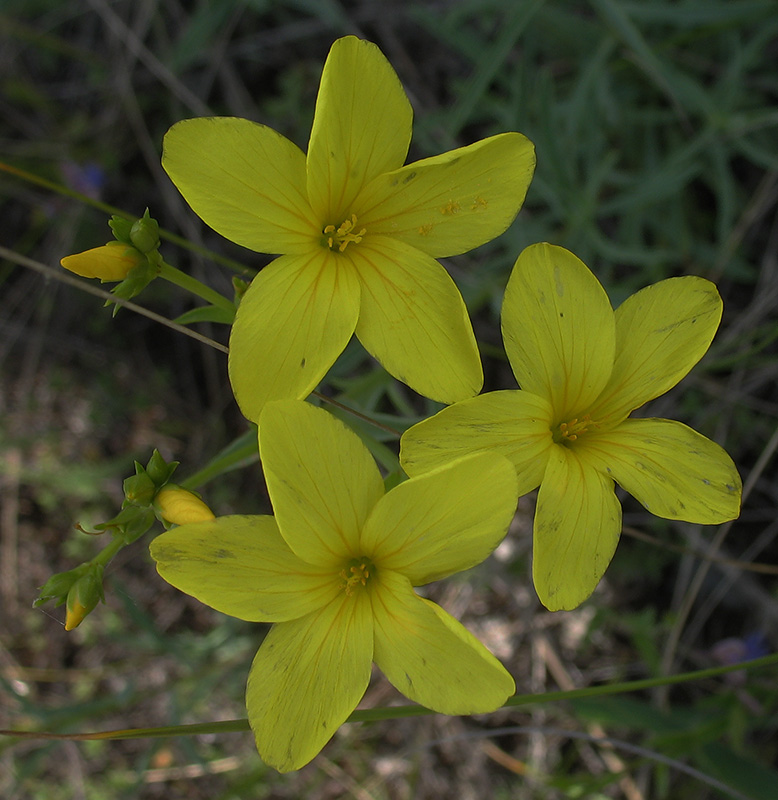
{"x": 569, "y": 431}
{"x": 356, "y": 573}
{"x": 339, "y": 238}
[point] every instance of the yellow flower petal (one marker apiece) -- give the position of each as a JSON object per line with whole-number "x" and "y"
{"x": 430, "y": 657}
{"x": 662, "y": 331}
{"x": 241, "y": 566}
{"x": 111, "y": 262}
{"x": 307, "y": 677}
{"x": 675, "y": 472}
{"x": 577, "y": 527}
{"x": 293, "y": 322}
{"x": 451, "y": 203}
{"x": 361, "y": 127}
{"x": 244, "y": 180}
{"x": 512, "y": 423}
{"x": 322, "y": 480}
{"x": 558, "y": 329}
{"x": 445, "y": 521}
{"x": 414, "y": 321}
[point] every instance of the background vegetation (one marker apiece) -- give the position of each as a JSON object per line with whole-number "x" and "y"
{"x": 655, "y": 128}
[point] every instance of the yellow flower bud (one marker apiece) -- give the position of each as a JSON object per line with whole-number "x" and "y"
{"x": 178, "y": 506}
{"x": 83, "y": 596}
{"x": 74, "y": 615}
{"x": 111, "y": 262}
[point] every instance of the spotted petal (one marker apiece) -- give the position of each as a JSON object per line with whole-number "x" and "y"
{"x": 577, "y": 527}
{"x": 292, "y": 324}
{"x": 307, "y": 677}
{"x": 558, "y": 329}
{"x": 361, "y": 128}
{"x": 322, "y": 480}
{"x": 512, "y": 423}
{"x": 241, "y": 566}
{"x": 662, "y": 331}
{"x": 675, "y": 472}
{"x": 430, "y": 657}
{"x": 451, "y": 203}
{"x": 414, "y": 321}
{"x": 244, "y": 180}
{"x": 445, "y": 521}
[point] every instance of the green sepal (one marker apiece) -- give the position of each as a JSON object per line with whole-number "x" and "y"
{"x": 139, "y": 489}
{"x": 138, "y": 525}
{"x": 121, "y": 228}
{"x": 58, "y": 586}
{"x": 159, "y": 470}
{"x": 125, "y": 517}
{"x": 136, "y": 281}
{"x": 144, "y": 234}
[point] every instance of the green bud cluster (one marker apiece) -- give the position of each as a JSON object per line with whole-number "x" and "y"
{"x": 143, "y": 236}
{"x": 81, "y": 588}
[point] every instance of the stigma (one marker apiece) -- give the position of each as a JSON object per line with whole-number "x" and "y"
{"x": 341, "y": 237}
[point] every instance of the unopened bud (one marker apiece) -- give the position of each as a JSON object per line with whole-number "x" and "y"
{"x": 179, "y": 506}
{"x": 144, "y": 233}
{"x": 139, "y": 489}
{"x": 160, "y": 470}
{"x": 58, "y": 586}
{"x": 111, "y": 262}
{"x": 83, "y": 596}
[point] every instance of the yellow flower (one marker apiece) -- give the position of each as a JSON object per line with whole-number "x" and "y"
{"x": 179, "y": 506}
{"x": 111, "y": 262}
{"x": 358, "y": 233}
{"x": 335, "y": 572}
{"x": 583, "y": 368}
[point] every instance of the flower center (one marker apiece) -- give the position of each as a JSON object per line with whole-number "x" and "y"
{"x": 568, "y": 432}
{"x": 341, "y": 237}
{"x": 356, "y": 573}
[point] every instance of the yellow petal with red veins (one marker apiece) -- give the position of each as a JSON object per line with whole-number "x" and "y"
{"x": 577, "y": 528}
{"x": 241, "y": 566}
{"x": 293, "y": 322}
{"x": 430, "y": 657}
{"x": 361, "y": 127}
{"x": 558, "y": 329}
{"x": 307, "y": 677}
{"x": 451, "y": 203}
{"x": 413, "y": 320}
{"x": 445, "y": 521}
{"x": 322, "y": 480}
{"x": 675, "y": 472}
{"x": 512, "y": 423}
{"x": 662, "y": 331}
{"x": 244, "y": 180}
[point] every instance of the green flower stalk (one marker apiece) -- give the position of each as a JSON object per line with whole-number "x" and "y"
{"x": 583, "y": 369}
{"x": 358, "y": 233}
{"x": 335, "y": 570}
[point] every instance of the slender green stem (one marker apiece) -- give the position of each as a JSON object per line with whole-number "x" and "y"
{"x": 110, "y": 550}
{"x": 396, "y": 712}
{"x": 65, "y": 191}
{"x": 190, "y": 284}
{"x": 79, "y": 283}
